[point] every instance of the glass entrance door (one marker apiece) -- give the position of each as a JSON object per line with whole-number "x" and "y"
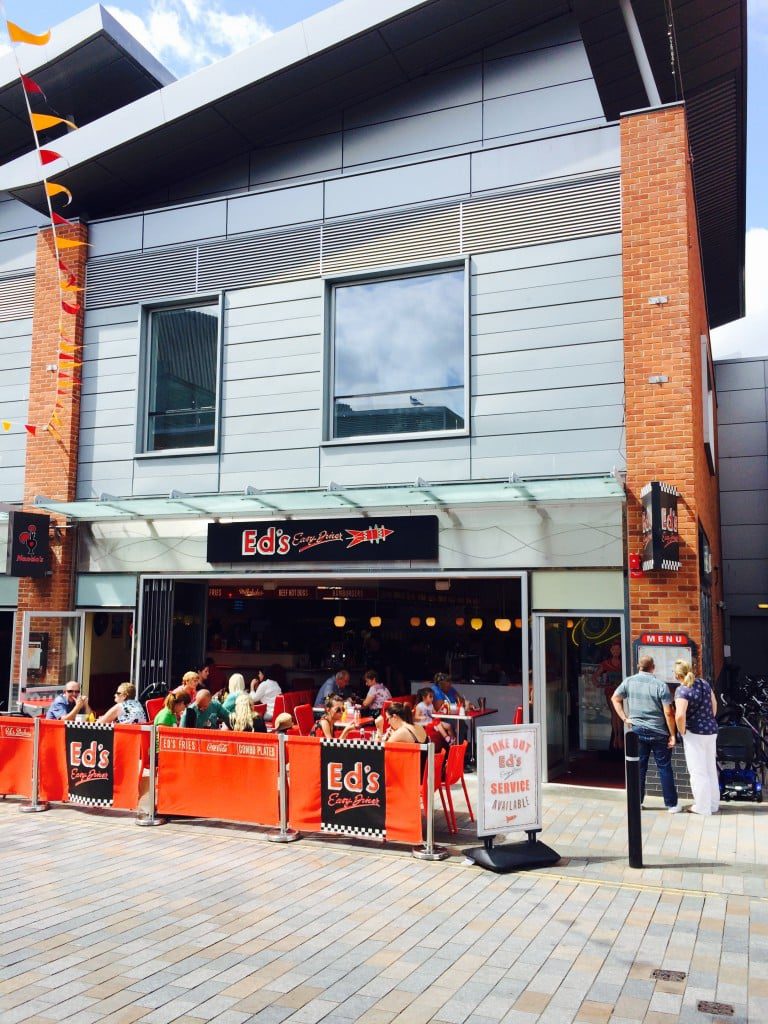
{"x": 51, "y": 651}
{"x": 557, "y": 704}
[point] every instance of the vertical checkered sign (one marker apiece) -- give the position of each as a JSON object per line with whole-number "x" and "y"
{"x": 353, "y": 793}
{"x": 90, "y": 763}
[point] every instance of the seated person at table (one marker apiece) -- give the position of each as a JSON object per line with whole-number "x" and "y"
{"x": 377, "y": 693}
{"x": 283, "y": 722}
{"x": 424, "y": 712}
{"x": 189, "y": 683}
{"x": 205, "y": 713}
{"x": 243, "y": 718}
{"x": 324, "y": 726}
{"x": 126, "y": 708}
{"x": 264, "y": 691}
{"x": 175, "y": 705}
{"x": 445, "y": 692}
{"x": 67, "y": 705}
{"x": 401, "y": 726}
{"x": 333, "y": 686}
{"x": 235, "y": 686}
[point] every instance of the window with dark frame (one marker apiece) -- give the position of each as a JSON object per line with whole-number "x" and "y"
{"x": 181, "y": 377}
{"x": 398, "y": 354}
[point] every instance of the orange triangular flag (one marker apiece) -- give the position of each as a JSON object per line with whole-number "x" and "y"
{"x": 41, "y": 122}
{"x": 53, "y": 188}
{"x": 7, "y": 425}
{"x": 68, "y": 243}
{"x": 67, "y": 346}
{"x": 30, "y": 429}
{"x": 53, "y": 431}
{"x": 20, "y": 35}
{"x": 67, "y": 286}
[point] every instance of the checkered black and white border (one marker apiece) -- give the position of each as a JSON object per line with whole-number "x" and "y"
{"x": 353, "y": 830}
{"x": 85, "y": 801}
{"x": 669, "y": 563}
{"x": 669, "y": 489}
{"x": 352, "y": 744}
{"x": 89, "y": 725}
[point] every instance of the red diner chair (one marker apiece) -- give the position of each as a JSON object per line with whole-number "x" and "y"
{"x": 260, "y": 709}
{"x": 454, "y": 772}
{"x": 153, "y": 705}
{"x": 305, "y": 719}
{"x": 518, "y": 715}
{"x": 437, "y": 788}
{"x": 280, "y": 706}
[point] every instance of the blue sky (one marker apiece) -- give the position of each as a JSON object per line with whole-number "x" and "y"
{"x": 186, "y": 34}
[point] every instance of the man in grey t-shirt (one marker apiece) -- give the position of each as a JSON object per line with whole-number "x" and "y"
{"x": 652, "y": 718}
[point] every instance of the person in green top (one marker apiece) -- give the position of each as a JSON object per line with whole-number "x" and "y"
{"x": 176, "y": 704}
{"x": 205, "y": 713}
{"x": 235, "y": 686}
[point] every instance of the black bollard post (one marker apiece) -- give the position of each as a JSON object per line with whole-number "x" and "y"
{"x": 634, "y": 826}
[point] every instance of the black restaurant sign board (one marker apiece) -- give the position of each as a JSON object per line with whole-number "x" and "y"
{"x": 661, "y": 540}
{"x": 391, "y": 539}
{"x": 29, "y": 553}
{"x": 90, "y": 763}
{"x": 352, "y": 790}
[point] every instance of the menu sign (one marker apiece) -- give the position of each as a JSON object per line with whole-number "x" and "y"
{"x": 509, "y": 779}
{"x": 29, "y": 552}
{"x": 352, "y": 791}
{"x": 393, "y": 538}
{"x": 661, "y": 539}
{"x": 665, "y": 647}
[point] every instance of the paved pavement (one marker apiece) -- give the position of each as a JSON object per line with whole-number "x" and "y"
{"x": 191, "y": 922}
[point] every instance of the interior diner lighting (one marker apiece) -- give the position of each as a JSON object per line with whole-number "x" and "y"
{"x": 460, "y": 622}
{"x": 430, "y": 621}
{"x": 503, "y": 625}
{"x": 518, "y": 623}
{"x": 415, "y": 621}
{"x": 476, "y": 623}
{"x": 339, "y": 621}
{"x": 763, "y": 604}
{"x": 375, "y": 621}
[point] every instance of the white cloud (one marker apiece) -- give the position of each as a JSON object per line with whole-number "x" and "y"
{"x": 749, "y": 336}
{"x": 188, "y": 34}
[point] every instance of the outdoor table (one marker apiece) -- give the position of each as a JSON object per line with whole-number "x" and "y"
{"x": 469, "y": 718}
{"x": 356, "y": 725}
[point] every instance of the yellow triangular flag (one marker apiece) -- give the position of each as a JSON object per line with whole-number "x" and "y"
{"x": 42, "y": 121}
{"x": 67, "y": 287}
{"x": 53, "y": 188}
{"x": 7, "y": 425}
{"x": 53, "y": 431}
{"x": 20, "y": 35}
{"x": 68, "y": 243}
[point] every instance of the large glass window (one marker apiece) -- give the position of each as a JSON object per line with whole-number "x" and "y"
{"x": 399, "y": 355}
{"x": 181, "y": 380}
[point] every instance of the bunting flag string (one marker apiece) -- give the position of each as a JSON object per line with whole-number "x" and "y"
{"x": 70, "y": 302}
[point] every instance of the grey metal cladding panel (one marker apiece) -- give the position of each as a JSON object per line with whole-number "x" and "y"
{"x": 548, "y": 295}
{"x": 17, "y": 254}
{"x": 230, "y": 176}
{"x": 286, "y": 256}
{"x": 272, "y": 401}
{"x": 562, "y": 212}
{"x": 536, "y": 69}
{"x": 557, "y": 398}
{"x": 547, "y": 316}
{"x": 543, "y": 108}
{"x": 745, "y": 541}
{"x": 238, "y": 356}
{"x": 541, "y": 379}
{"x": 741, "y": 374}
{"x": 293, "y": 458}
{"x": 738, "y": 439}
{"x": 112, "y": 435}
{"x": 240, "y": 373}
{"x": 743, "y": 474}
{"x": 12, "y": 484}
{"x": 108, "y": 237}
{"x": 271, "y": 440}
{"x": 17, "y": 297}
{"x": 552, "y": 33}
{"x": 300, "y": 308}
{"x": 267, "y": 295}
{"x": 558, "y": 157}
{"x": 744, "y": 507}
{"x": 742, "y": 406}
{"x": 170, "y": 227}
{"x": 556, "y": 360}
{"x": 239, "y": 428}
{"x": 419, "y": 183}
{"x": 453, "y": 87}
{"x": 193, "y": 474}
{"x": 535, "y": 276}
{"x": 422, "y": 133}
{"x": 745, "y": 576}
{"x": 123, "y": 314}
{"x": 544, "y": 443}
{"x": 547, "y": 337}
{"x": 109, "y": 414}
{"x": 111, "y": 477}
{"x": 385, "y": 452}
{"x": 260, "y": 386}
{"x": 274, "y": 209}
{"x": 562, "y": 254}
{"x": 536, "y": 422}
{"x": 150, "y": 275}
{"x": 397, "y": 237}
{"x": 269, "y": 479}
{"x": 373, "y": 473}
{"x": 549, "y": 464}
{"x": 296, "y": 159}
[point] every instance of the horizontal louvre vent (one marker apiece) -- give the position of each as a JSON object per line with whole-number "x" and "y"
{"x": 149, "y": 275}
{"x": 397, "y": 238}
{"x": 239, "y": 263}
{"x": 552, "y": 214}
{"x": 17, "y": 297}
{"x": 546, "y": 215}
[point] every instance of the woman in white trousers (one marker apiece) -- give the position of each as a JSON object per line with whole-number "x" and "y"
{"x": 695, "y": 709}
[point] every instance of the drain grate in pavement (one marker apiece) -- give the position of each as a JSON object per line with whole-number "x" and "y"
{"x": 716, "y": 1009}
{"x": 660, "y": 975}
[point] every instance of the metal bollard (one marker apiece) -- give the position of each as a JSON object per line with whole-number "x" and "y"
{"x": 285, "y": 834}
{"x": 151, "y": 819}
{"x": 634, "y": 825}
{"x": 429, "y": 851}
{"x": 35, "y": 805}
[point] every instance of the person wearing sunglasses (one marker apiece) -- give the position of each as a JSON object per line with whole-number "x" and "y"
{"x": 324, "y": 726}
{"x": 69, "y": 704}
{"x": 126, "y": 708}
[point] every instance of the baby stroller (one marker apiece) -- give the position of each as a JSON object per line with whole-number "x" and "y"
{"x": 740, "y": 769}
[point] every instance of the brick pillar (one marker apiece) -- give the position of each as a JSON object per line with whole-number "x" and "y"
{"x": 51, "y": 463}
{"x": 664, "y": 423}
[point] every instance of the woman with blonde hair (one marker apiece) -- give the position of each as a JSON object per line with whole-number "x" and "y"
{"x": 126, "y": 708}
{"x": 243, "y": 719}
{"x": 235, "y": 686}
{"x": 695, "y": 710}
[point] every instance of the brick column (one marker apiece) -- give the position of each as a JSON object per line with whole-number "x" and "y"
{"x": 51, "y": 462}
{"x": 664, "y": 424}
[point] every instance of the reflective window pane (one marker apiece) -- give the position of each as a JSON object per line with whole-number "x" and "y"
{"x": 399, "y": 355}
{"x": 181, "y": 405}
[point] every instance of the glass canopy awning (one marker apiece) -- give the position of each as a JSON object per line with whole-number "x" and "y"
{"x": 421, "y": 494}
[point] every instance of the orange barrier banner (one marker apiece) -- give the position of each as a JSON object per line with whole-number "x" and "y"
{"x": 355, "y": 788}
{"x": 125, "y": 763}
{"x": 16, "y": 746}
{"x": 206, "y": 774}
